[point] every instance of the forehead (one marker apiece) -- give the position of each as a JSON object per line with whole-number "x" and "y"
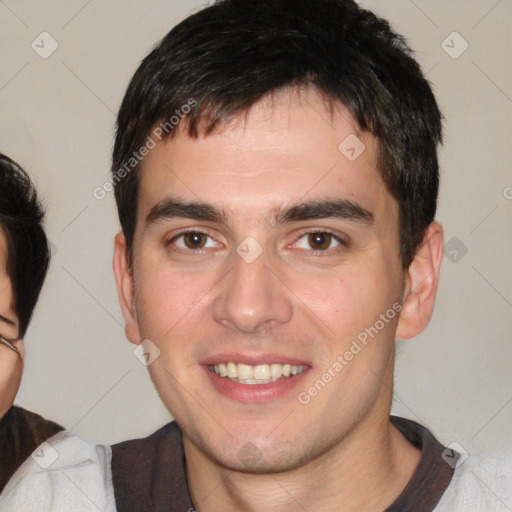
{"x": 288, "y": 146}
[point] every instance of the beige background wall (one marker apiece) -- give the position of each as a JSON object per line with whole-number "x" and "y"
{"x": 57, "y": 118}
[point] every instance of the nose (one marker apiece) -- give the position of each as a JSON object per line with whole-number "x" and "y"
{"x": 252, "y": 298}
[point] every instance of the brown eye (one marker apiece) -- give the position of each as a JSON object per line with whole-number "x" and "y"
{"x": 194, "y": 240}
{"x": 320, "y": 241}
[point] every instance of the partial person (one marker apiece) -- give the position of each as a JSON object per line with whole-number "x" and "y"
{"x": 24, "y": 259}
{"x": 276, "y": 177}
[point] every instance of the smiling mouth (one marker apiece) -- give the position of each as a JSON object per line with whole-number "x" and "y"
{"x": 258, "y": 374}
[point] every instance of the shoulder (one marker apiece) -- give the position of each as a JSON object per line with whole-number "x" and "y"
{"x": 158, "y": 463}
{"x": 65, "y": 473}
{"x": 38, "y": 427}
{"x": 26, "y": 429}
{"x": 480, "y": 483}
{"x": 168, "y": 436}
{"x": 21, "y": 431}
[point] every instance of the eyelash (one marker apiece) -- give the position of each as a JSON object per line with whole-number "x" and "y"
{"x": 326, "y": 252}
{"x": 336, "y": 238}
{"x": 173, "y": 239}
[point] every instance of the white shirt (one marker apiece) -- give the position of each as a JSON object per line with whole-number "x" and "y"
{"x": 68, "y": 474}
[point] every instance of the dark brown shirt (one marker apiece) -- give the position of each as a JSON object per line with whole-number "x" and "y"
{"x": 21, "y": 432}
{"x": 149, "y": 474}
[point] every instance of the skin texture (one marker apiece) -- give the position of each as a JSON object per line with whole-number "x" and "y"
{"x": 11, "y": 364}
{"x": 293, "y": 300}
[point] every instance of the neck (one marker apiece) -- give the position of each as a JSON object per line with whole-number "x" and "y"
{"x": 366, "y": 472}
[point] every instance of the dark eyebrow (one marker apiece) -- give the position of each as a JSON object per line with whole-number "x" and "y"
{"x": 7, "y": 321}
{"x": 170, "y": 208}
{"x": 323, "y": 209}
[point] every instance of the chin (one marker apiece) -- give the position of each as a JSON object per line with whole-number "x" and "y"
{"x": 252, "y": 454}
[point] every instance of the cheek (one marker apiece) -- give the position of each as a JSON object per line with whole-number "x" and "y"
{"x": 167, "y": 299}
{"x": 6, "y": 308}
{"x": 11, "y": 368}
{"x": 348, "y": 305}
{"x": 345, "y": 296}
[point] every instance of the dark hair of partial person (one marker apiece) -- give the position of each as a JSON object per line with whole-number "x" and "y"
{"x": 28, "y": 252}
{"x": 235, "y": 52}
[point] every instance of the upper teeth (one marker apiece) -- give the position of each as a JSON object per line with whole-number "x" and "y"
{"x": 260, "y": 372}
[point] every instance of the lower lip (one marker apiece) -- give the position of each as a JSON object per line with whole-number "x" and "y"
{"x": 251, "y": 393}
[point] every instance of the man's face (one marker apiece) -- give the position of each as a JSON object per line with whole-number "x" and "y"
{"x": 11, "y": 364}
{"x": 291, "y": 253}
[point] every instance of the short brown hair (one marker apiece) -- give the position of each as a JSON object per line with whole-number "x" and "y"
{"x": 28, "y": 252}
{"x": 231, "y": 54}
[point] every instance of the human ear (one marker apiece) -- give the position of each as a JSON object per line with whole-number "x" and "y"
{"x": 125, "y": 289}
{"x": 422, "y": 278}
